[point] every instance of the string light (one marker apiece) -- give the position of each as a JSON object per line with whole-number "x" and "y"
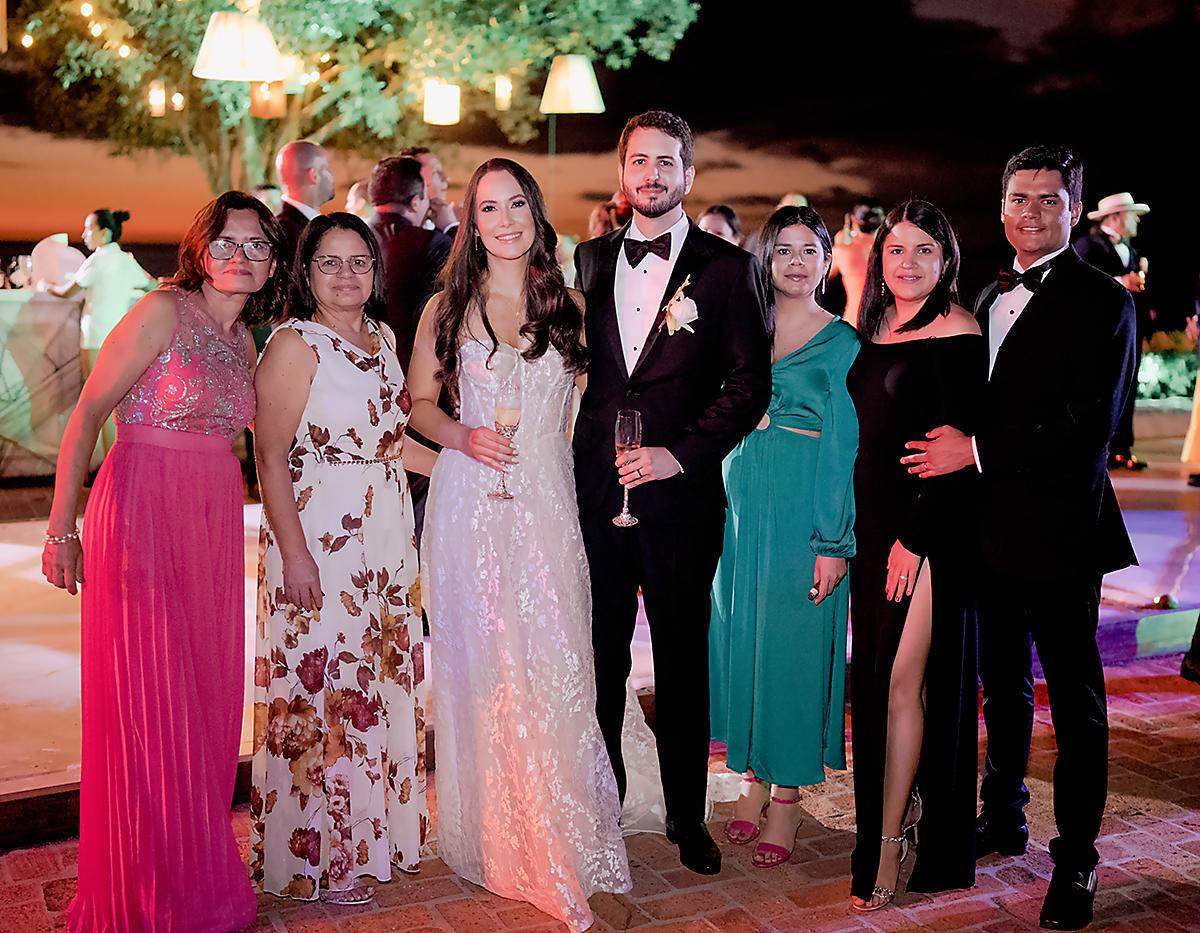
{"x": 157, "y": 98}
{"x": 86, "y": 9}
{"x": 504, "y": 90}
{"x": 27, "y": 40}
{"x": 325, "y": 58}
{"x": 123, "y": 51}
{"x": 96, "y": 29}
{"x": 177, "y": 101}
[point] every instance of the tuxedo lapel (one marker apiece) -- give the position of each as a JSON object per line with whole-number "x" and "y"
{"x": 983, "y": 309}
{"x": 686, "y": 264}
{"x": 605, "y": 290}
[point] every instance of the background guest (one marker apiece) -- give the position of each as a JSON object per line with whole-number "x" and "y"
{"x": 721, "y": 220}
{"x": 358, "y": 200}
{"x": 442, "y": 214}
{"x": 913, "y": 693}
{"x": 777, "y": 648}
{"x": 303, "y": 170}
{"x": 339, "y": 675}
{"x": 413, "y": 257}
{"x": 111, "y": 281}
{"x": 1109, "y": 248}
{"x": 161, "y": 569}
{"x": 851, "y": 249}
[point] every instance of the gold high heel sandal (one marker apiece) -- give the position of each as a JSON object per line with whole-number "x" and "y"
{"x": 881, "y": 896}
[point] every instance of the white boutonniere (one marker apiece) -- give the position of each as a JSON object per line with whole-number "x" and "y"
{"x": 681, "y": 310}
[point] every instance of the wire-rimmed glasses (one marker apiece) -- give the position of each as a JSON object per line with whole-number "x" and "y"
{"x": 223, "y": 248}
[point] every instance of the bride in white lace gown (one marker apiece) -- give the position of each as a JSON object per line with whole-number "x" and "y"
{"x": 526, "y": 800}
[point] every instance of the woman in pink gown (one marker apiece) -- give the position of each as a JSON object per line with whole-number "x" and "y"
{"x": 160, "y": 569}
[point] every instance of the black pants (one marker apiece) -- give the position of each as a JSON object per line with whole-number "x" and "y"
{"x": 1122, "y": 439}
{"x": 1060, "y": 617}
{"x": 674, "y": 565}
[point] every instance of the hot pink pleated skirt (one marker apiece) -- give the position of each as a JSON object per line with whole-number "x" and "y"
{"x": 163, "y": 628}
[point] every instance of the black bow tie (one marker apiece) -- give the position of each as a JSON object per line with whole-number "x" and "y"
{"x": 636, "y": 250}
{"x": 1008, "y": 279}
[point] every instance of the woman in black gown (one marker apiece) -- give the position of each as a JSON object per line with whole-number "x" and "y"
{"x": 913, "y": 707}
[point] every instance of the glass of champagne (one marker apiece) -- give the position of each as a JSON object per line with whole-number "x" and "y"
{"x": 508, "y": 418}
{"x": 628, "y": 436}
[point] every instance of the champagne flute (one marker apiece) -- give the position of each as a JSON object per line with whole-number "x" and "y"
{"x": 628, "y": 436}
{"x": 508, "y": 418}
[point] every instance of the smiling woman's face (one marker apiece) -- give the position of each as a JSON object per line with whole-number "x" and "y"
{"x": 912, "y": 262}
{"x": 238, "y": 275}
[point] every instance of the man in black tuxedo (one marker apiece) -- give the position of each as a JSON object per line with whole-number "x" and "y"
{"x": 303, "y": 171}
{"x": 412, "y": 261}
{"x": 700, "y": 388}
{"x": 1048, "y": 534}
{"x": 1110, "y": 249}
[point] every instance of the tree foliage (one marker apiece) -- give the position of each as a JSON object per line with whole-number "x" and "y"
{"x": 366, "y": 61}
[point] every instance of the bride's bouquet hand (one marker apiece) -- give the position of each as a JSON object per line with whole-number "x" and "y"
{"x": 489, "y": 448}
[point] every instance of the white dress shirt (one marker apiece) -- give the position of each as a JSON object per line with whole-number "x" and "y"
{"x": 639, "y": 292}
{"x": 1003, "y": 314}
{"x": 1119, "y": 243}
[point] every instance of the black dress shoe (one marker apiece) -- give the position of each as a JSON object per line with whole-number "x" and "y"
{"x": 697, "y": 851}
{"x": 1190, "y": 669}
{"x": 1003, "y": 840}
{"x": 1193, "y": 479}
{"x": 1068, "y": 903}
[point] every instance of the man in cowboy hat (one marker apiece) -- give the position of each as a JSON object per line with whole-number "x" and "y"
{"x": 1108, "y": 248}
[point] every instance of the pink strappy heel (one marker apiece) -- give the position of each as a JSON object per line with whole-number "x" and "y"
{"x": 769, "y": 855}
{"x": 743, "y": 832}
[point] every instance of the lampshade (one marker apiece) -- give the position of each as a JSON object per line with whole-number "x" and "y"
{"x": 267, "y": 100}
{"x": 441, "y": 102}
{"x": 237, "y": 47}
{"x": 571, "y": 87}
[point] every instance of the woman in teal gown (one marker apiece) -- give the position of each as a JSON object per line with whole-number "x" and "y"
{"x": 777, "y": 639}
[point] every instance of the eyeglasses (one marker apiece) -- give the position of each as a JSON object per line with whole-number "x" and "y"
{"x": 332, "y": 265}
{"x": 254, "y": 250}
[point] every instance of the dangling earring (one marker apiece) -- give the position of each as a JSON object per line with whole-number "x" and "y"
{"x": 882, "y": 290}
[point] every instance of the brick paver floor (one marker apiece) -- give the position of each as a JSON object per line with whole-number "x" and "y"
{"x": 1149, "y": 879}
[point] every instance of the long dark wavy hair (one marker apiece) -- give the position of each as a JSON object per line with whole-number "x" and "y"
{"x": 877, "y": 297}
{"x": 765, "y": 249}
{"x": 551, "y": 317}
{"x": 302, "y": 303}
{"x": 266, "y": 304}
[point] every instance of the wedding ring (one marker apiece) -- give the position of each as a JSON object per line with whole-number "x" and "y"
{"x": 903, "y": 576}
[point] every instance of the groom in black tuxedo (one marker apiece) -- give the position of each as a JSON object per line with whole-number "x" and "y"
{"x": 699, "y": 371}
{"x": 1051, "y": 526}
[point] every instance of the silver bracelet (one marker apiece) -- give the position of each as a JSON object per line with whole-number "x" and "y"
{"x": 61, "y": 539}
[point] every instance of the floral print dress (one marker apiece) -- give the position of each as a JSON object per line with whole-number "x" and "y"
{"x": 339, "y": 766}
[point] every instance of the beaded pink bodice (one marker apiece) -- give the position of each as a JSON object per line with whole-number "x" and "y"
{"x": 201, "y": 383}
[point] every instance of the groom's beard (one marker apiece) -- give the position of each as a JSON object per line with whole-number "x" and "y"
{"x": 654, "y": 200}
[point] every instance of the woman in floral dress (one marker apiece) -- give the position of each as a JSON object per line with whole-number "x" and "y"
{"x": 339, "y": 768}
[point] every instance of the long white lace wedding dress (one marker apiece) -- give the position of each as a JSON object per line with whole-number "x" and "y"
{"x": 526, "y": 800}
